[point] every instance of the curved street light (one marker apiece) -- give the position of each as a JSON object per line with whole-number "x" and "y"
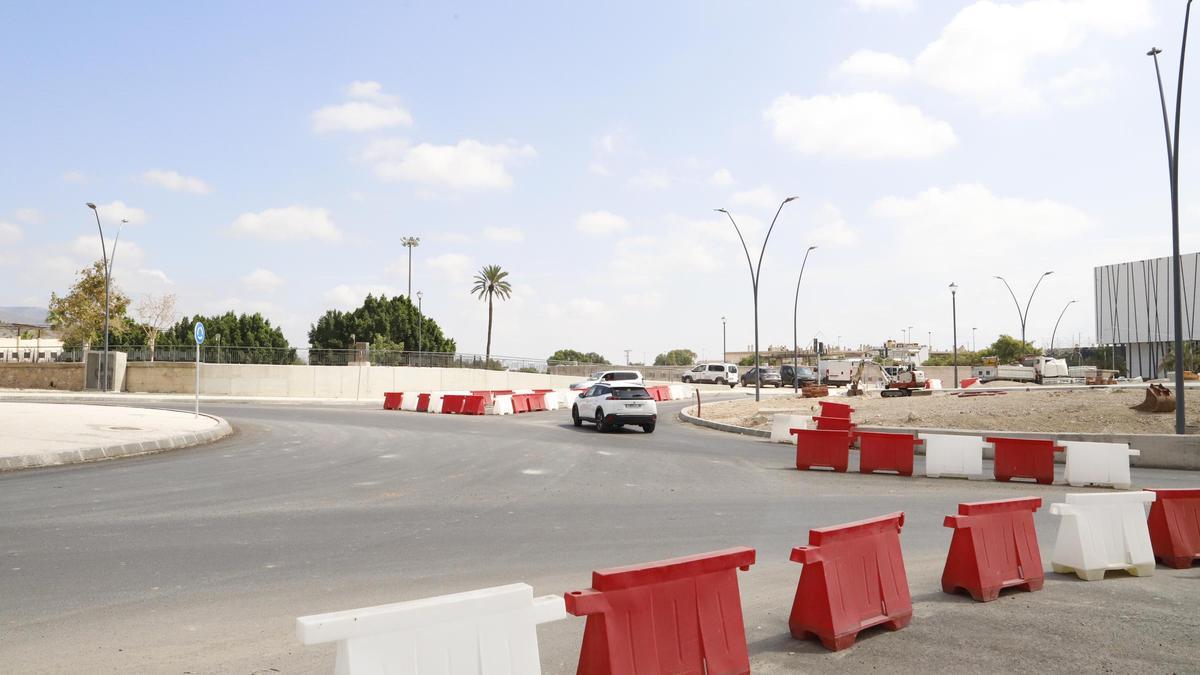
{"x": 1024, "y": 315}
{"x": 754, "y": 277}
{"x": 795, "y": 308}
{"x": 103, "y": 379}
{"x": 1173, "y": 177}
{"x": 954, "y": 329}
{"x": 1060, "y": 316}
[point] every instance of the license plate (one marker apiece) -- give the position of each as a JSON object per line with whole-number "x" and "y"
{"x": 633, "y": 405}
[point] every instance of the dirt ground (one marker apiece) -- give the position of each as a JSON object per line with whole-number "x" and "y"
{"x": 1095, "y": 411}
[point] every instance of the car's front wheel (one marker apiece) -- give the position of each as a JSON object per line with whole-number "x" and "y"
{"x": 600, "y": 425}
{"x": 687, "y": 380}
{"x": 648, "y": 428}
{"x": 575, "y": 416}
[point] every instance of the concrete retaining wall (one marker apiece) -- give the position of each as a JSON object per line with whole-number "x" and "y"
{"x": 349, "y": 382}
{"x": 62, "y": 376}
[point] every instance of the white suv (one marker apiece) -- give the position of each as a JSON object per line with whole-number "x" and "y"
{"x": 609, "y": 405}
{"x": 630, "y": 376}
{"x": 713, "y": 373}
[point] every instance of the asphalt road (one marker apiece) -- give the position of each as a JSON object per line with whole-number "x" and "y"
{"x": 198, "y": 561}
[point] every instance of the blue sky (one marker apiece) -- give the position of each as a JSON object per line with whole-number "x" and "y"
{"x": 270, "y": 156}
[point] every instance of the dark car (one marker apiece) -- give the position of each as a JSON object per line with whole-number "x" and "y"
{"x": 769, "y": 378}
{"x": 804, "y": 375}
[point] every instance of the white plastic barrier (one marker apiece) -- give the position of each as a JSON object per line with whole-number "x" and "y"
{"x": 409, "y": 401}
{"x": 953, "y": 455}
{"x": 1101, "y": 532}
{"x": 566, "y": 397}
{"x": 484, "y": 632}
{"x": 502, "y": 404}
{"x": 435, "y": 401}
{"x": 551, "y": 399}
{"x": 1098, "y": 463}
{"x": 781, "y": 426}
{"x": 933, "y": 384}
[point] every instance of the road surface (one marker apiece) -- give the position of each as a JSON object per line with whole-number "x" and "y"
{"x": 199, "y": 560}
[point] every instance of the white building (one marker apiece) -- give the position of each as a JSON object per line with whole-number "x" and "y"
{"x": 1134, "y": 309}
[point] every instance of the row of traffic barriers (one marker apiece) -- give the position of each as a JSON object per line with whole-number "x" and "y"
{"x": 827, "y": 444}
{"x": 505, "y": 401}
{"x": 684, "y": 615}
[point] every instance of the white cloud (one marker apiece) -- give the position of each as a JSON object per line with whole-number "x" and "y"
{"x": 868, "y": 125}
{"x": 866, "y": 64}
{"x": 370, "y": 90}
{"x": 74, "y": 176}
{"x": 721, "y": 178}
{"x": 762, "y": 198}
{"x": 950, "y": 218}
{"x": 987, "y": 52}
{"x": 113, "y": 212}
{"x": 454, "y": 267}
{"x": 176, "y": 182}
{"x": 468, "y": 164}
{"x": 262, "y": 280}
{"x": 644, "y": 300}
{"x": 9, "y": 233}
{"x": 349, "y": 296}
{"x": 890, "y": 5}
{"x": 577, "y": 308}
{"x": 599, "y": 169}
{"x": 651, "y": 179}
{"x": 503, "y": 234}
{"x": 128, "y": 254}
{"x": 359, "y": 116}
{"x": 452, "y": 238}
{"x": 831, "y": 229}
{"x": 600, "y": 223}
{"x": 158, "y": 277}
{"x": 287, "y": 224}
{"x": 1082, "y": 85}
{"x": 28, "y": 216}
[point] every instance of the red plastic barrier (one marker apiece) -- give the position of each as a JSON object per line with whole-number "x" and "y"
{"x": 452, "y": 404}
{"x": 682, "y": 615}
{"x": 815, "y": 447}
{"x": 1175, "y": 527}
{"x": 886, "y": 452}
{"x": 968, "y": 382}
{"x": 994, "y": 546}
{"x": 486, "y": 395}
{"x": 832, "y": 409}
{"x": 474, "y": 405}
{"x": 422, "y": 402}
{"x": 392, "y": 400}
{"x": 853, "y": 578}
{"x": 834, "y": 423}
{"x": 1024, "y": 458}
{"x": 537, "y": 402}
{"x": 520, "y": 403}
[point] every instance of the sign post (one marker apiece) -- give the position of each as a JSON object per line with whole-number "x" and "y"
{"x": 198, "y": 332}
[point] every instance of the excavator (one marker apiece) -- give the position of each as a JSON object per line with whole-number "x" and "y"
{"x": 904, "y": 383}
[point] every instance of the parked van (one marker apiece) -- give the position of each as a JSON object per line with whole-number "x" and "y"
{"x": 713, "y": 373}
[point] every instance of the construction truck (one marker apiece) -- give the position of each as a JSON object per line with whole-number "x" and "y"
{"x": 905, "y": 381}
{"x": 1038, "y": 369}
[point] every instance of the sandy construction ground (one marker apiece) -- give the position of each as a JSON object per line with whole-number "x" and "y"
{"x": 1094, "y": 410}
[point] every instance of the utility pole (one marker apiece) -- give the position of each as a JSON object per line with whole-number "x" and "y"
{"x": 410, "y": 243}
{"x": 954, "y": 327}
{"x": 724, "y": 349}
{"x": 627, "y": 356}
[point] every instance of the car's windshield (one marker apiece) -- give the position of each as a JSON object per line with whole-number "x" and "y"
{"x": 596, "y": 375}
{"x": 630, "y": 393}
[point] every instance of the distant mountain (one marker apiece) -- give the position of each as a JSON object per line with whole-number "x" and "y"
{"x": 31, "y": 315}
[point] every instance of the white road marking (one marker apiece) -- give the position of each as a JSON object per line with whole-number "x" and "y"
{"x": 533, "y": 472}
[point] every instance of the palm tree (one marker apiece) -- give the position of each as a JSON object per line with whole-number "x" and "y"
{"x": 490, "y": 284}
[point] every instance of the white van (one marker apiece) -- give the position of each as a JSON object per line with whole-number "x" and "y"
{"x": 713, "y": 373}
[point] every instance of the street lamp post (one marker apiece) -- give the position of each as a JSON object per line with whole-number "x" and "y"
{"x": 1060, "y": 316}
{"x": 795, "y": 308}
{"x": 1173, "y": 176}
{"x": 410, "y": 243}
{"x": 754, "y": 277}
{"x": 420, "y": 324}
{"x": 724, "y": 351}
{"x": 973, "y": 329}
{"x": 954, "y": 327}
{"x": 1024, "y": 315}
{"x": 107, "y": 262}
{"x": 909, "y": 338}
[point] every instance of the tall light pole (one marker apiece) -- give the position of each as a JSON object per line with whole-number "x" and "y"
{"x": 1060, "y": 316}
{"x": 1024, "y": 315}
{"x": 107, "y": 274}
{"x": 420, "y": 323}
{"x": 724, "y": 351}
{"x": 954, "y": 327}
{"x": 754, "y": 277}
{"x": 1173, "y": 176}
{"x": 909, "y": 338}
{"x": 973, "y": 329}
{"x": 410, "y": 243}
{"x": 795, "y": 308}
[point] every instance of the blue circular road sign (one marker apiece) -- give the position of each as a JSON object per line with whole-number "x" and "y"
{"x": 199, "y": 333}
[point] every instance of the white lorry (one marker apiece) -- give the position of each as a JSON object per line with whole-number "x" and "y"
{"x": 1039, "y": 369}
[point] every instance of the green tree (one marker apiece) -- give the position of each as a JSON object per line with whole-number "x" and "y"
{"x": 79, "y": 315}
{"x": 1008, "y": 349}
{"x": 746, "y": 360}
{"x": 572, "y": 355}
{"x": 1191, "y": 356}
{"x": 965, "y": 358}
{"x": 389, "y": 324}
{"x": 489, "y": 285}
{"x": 676, "y": 357}
{"x": 245, "y": 338}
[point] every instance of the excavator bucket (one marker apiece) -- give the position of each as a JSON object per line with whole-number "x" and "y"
{"x": 1158, "y": 399}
